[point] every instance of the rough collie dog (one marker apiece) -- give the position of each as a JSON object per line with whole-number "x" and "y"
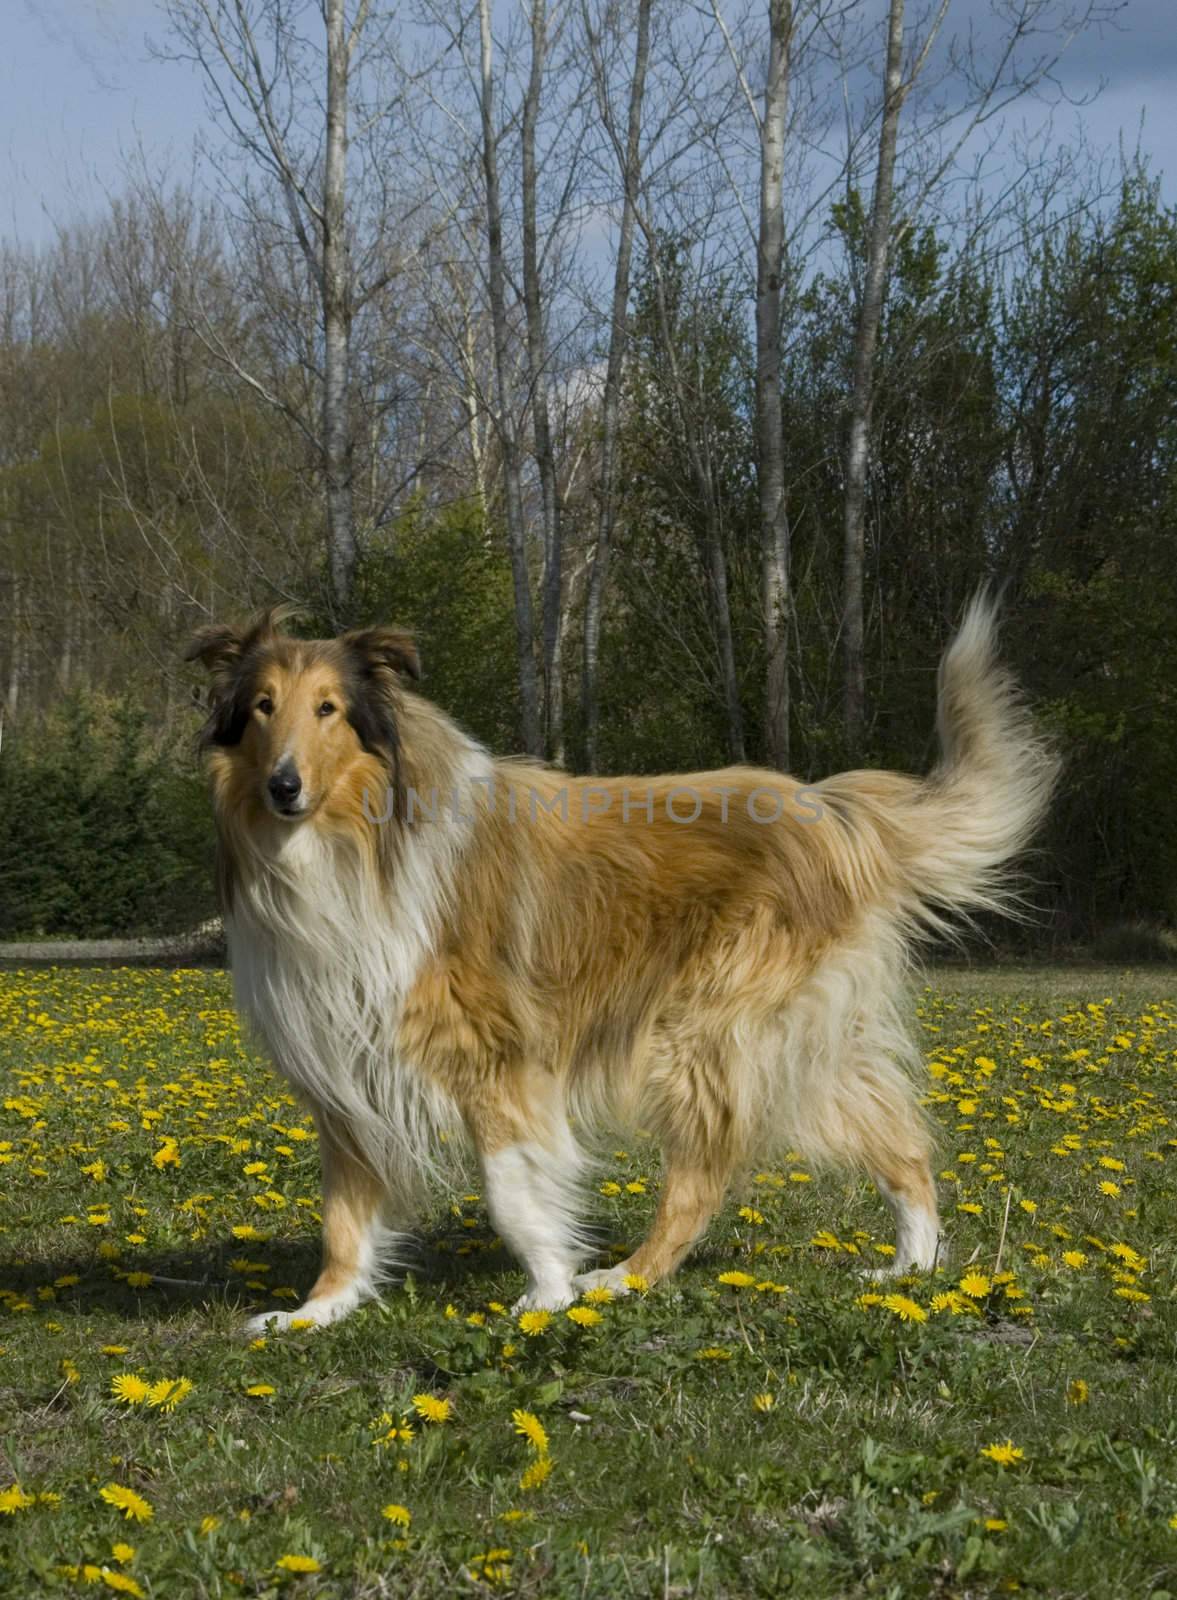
{"x": 431, "y": 941}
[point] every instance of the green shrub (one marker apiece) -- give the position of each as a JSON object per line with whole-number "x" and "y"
{"x": 1133, "y": 944}
{"x": 104, "y": 834}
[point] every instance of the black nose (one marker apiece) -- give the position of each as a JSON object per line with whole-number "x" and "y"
{"x": 284, "y": 784}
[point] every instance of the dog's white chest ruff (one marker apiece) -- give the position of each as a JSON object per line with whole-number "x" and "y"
{"x": 323, "y": 956}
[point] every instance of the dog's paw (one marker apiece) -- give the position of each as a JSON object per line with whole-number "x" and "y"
{"x": 315, "y": 1313}
{"x": 268, "y": 1322}
{"x": 611, "y": 1278}
{"x": 894, "y": 1269}
{"x": 545, "y": 1297}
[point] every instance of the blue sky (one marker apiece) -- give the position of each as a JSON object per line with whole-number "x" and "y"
{"x": 81, "y": 92}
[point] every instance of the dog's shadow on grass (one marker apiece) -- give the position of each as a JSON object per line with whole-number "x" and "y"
{"x": 160, "y": 1286}
{"x": 166, "y": 1285}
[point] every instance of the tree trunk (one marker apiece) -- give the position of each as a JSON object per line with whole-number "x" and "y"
{"x": 552, "y": 613}
{"x": 716, "y": 568}
{"x": 337, "y": 442}
{"x": 508, "y": 434}
{"x": 15, "y": 652}
{"x": 862, "y": 393}
{"x": 770, "y": 474}
{"x": 611, "y": 404}
{"x": 711, "y": 553}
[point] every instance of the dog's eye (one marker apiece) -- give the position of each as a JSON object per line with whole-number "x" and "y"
{"x": 265, "y": 705}
{"x": 325, "y": 709}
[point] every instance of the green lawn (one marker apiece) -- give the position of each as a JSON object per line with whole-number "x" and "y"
{"x": 795, "y": 1430}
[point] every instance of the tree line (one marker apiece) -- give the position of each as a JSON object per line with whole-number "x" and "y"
{"x": 675, "y": 373}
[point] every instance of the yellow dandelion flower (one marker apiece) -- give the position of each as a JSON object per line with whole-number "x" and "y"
{"x": 976, "y": 1285}
{"x": 400, "y": 1515}
{"x": 431, "y": 1408}
{"x": 737, "y": 1280}
{"x": 600, "y": 1296}
{"x": 534, "y": 1322}
{"x": 132, "y": 1505}
{"x": 763, "y": 1402}
{"x": 635, "y": 1281}
{"x": 129, "y": 1388}
{"x": 995, "y": 1525}
{"x": 1112, "y": 1189}
{"x": 123, "y": 1552}
{"x": 536, "y": 1473}
{"x": 584, "y": 1316}
{"x": 15, "y": 1499}
{"x": 261, "y": 1390}
{"x": 121, "y": 1583}
{"x": 906, "y": 1309}
{"x": 1005, "y": 1455}
{"x": 209, "y": 1525}
{"x": 298, "y": 1564}
{"x": 1075, "y": 1258}
{"x": 1077, "y": 1392}
{"x": 1130, "y": 1258}
{"x": 531, "y": 1428}
{"x": 168, "y": 1392}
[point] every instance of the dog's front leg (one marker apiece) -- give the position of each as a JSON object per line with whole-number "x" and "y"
{"x": 530, "y": 1167}
{"x": 353, "y": 1205}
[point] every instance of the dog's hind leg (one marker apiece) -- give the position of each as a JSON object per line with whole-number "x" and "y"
{"x": 692, "y": 1192}
{"x": 691, "y": 1103}
{"x": 873, "y": 1121}
{"x": 530, "y": 1167}
{"x": 904, "y": 1179}
{"x": 353, "y": 1204}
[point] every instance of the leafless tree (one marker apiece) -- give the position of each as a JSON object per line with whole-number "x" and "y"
{"x": 774, "y": 515}
{"x": 505, "y": 419}
{"x": 628, "y": 154}
{"x": 292, "y": 126}
{"x": 965, "y": 88}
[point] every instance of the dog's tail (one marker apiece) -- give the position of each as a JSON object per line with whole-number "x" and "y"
{"x": 951, "y": 838}
{"x": 981, "y": 805}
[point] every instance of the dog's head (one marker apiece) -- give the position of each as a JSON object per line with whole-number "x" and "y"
{"x": 294, "y": 720}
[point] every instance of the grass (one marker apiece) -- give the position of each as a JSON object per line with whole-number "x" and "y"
{"x": 793, "y": 1429}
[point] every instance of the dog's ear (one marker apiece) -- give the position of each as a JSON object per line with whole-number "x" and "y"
{"x": 383, "y": 649}
{"x": 217, "y": 647}
{"x": 220, "y": 648}
{"x": 223, "y": 651}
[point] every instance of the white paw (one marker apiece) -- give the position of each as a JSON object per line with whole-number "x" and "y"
{"x": 611, "y": 1278}
{"x": 895, "y": 1269}
{"x": 544, "y": 1297}
{"x": 318, "y": 1312}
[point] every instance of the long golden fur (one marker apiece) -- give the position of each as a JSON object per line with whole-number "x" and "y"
{"x": 430, "y": 940}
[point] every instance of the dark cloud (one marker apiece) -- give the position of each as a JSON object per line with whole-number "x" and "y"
{"x": 1136, "y": 46}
